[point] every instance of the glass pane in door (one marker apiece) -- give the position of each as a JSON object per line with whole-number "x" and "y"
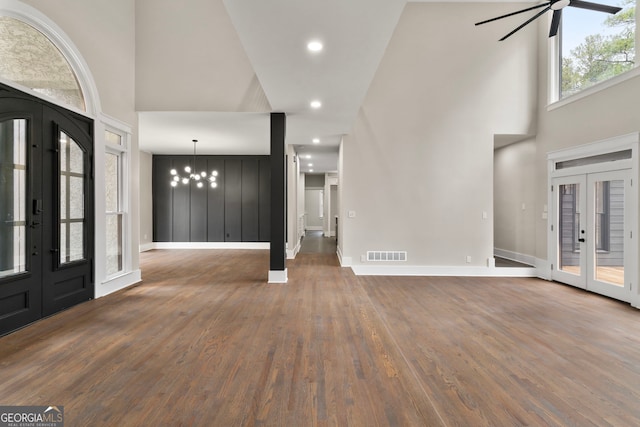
{"x": 13, "y": 196}
{"x": 609, "y": 232}
{"x": 72, "y": 209}
{"x": 569, "y": 228}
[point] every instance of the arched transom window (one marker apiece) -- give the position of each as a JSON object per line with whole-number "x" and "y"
{"x": 30, "y": 59}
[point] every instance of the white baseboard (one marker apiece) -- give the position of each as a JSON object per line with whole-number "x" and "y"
{"x": 426, "y": 270}
{"x": 544, "y": 268}
{"x": 117, "y": 283}
{"x": 147, "y": 247}
{"x": 278, "y": 276}
{"x": 345, "y": 261}
{"x": 291, "y": 253}
{"x": 314, "y": 228}
{"x": 211, "y": 245}
{"x": 515, "y": 256}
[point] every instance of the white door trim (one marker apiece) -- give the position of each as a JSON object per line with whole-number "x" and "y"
{"x": 624, "y": 142}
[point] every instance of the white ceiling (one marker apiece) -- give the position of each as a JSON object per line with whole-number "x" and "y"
{"x": 274, "y": 34}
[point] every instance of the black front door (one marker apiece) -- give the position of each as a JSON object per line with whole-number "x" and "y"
{"x": 46, "y": 209}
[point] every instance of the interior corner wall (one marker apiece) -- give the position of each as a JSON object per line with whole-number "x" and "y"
{"x": 341, "y": 202}
{"x": 418, "y": 165}
{"x": 514, "y": 201}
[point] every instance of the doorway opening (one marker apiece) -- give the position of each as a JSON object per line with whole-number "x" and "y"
{"x": 320, "y": 213}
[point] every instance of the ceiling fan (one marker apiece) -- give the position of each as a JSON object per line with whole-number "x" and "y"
{"x": 556, "y": 6}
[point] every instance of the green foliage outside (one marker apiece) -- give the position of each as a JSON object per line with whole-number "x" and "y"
{"x": 601, "y": 57}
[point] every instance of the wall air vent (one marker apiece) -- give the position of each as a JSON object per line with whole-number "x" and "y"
{"x": 386, "y": 255}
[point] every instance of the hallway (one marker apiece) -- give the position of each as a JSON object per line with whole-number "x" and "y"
{"x": 315, "y": 242}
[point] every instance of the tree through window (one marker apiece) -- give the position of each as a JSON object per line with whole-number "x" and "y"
{"x": 596, "y": 46}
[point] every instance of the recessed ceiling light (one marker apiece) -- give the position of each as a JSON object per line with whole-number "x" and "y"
{"x": 310, "y": 170}
{"x": 308, "y": 156}
{"x": 310, "y": 164}
{"x": 316, "y": 104}
{"x": 314, "y": 46}
{"x": 316, "y": 140}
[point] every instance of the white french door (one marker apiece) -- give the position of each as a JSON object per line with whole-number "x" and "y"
{"x": 592, "y": 232}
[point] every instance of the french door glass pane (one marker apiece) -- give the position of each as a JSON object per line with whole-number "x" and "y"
{"x": 569, "y": 228}
{"x": 609, "y": 231}
{"x": 13, "y": 194}
{"x": 72, "y": 182}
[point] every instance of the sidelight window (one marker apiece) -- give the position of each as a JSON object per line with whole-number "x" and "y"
{"x": 115, "y": 161}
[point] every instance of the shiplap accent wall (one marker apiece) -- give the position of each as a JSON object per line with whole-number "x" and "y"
{"x": 238, "y": 210}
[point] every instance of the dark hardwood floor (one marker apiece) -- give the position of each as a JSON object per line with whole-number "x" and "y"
{"x": 315, "y": 242}
{"x": 205, "y": 341}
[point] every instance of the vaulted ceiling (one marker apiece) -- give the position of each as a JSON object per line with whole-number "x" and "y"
{"x": 275, "y": 34}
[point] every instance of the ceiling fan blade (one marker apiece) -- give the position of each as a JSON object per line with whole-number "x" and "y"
{"x": 555, "y": 22}
{"x": 514, "y": 13}
{"x": 537, "y": 15}
{"x": 595, "y": 6}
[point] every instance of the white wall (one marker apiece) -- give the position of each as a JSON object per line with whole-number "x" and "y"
{"x": 418, "y": 165}
{"x": 514, "y": 201}
{"x": 333, "y": 203}
{"x": 293, "y": 173}
{"x": 312, "y": 208}
{"x": 146, "y": 200}
{"x": 189, "y": 58}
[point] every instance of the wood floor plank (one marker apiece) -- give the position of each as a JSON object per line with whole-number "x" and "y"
{"x": 516, "y": 351}
{"x": 205, "y": 341}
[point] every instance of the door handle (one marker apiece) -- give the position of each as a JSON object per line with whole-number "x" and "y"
{"x": 581, "y": 240}
{"x": 35, "y": 224}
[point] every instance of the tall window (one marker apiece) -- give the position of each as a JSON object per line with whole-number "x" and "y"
{"x": 596, "y": 46}
{"x": 115, "y": 202}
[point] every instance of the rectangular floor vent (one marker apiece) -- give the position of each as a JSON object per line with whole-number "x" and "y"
{"x": 386, "y": 255}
